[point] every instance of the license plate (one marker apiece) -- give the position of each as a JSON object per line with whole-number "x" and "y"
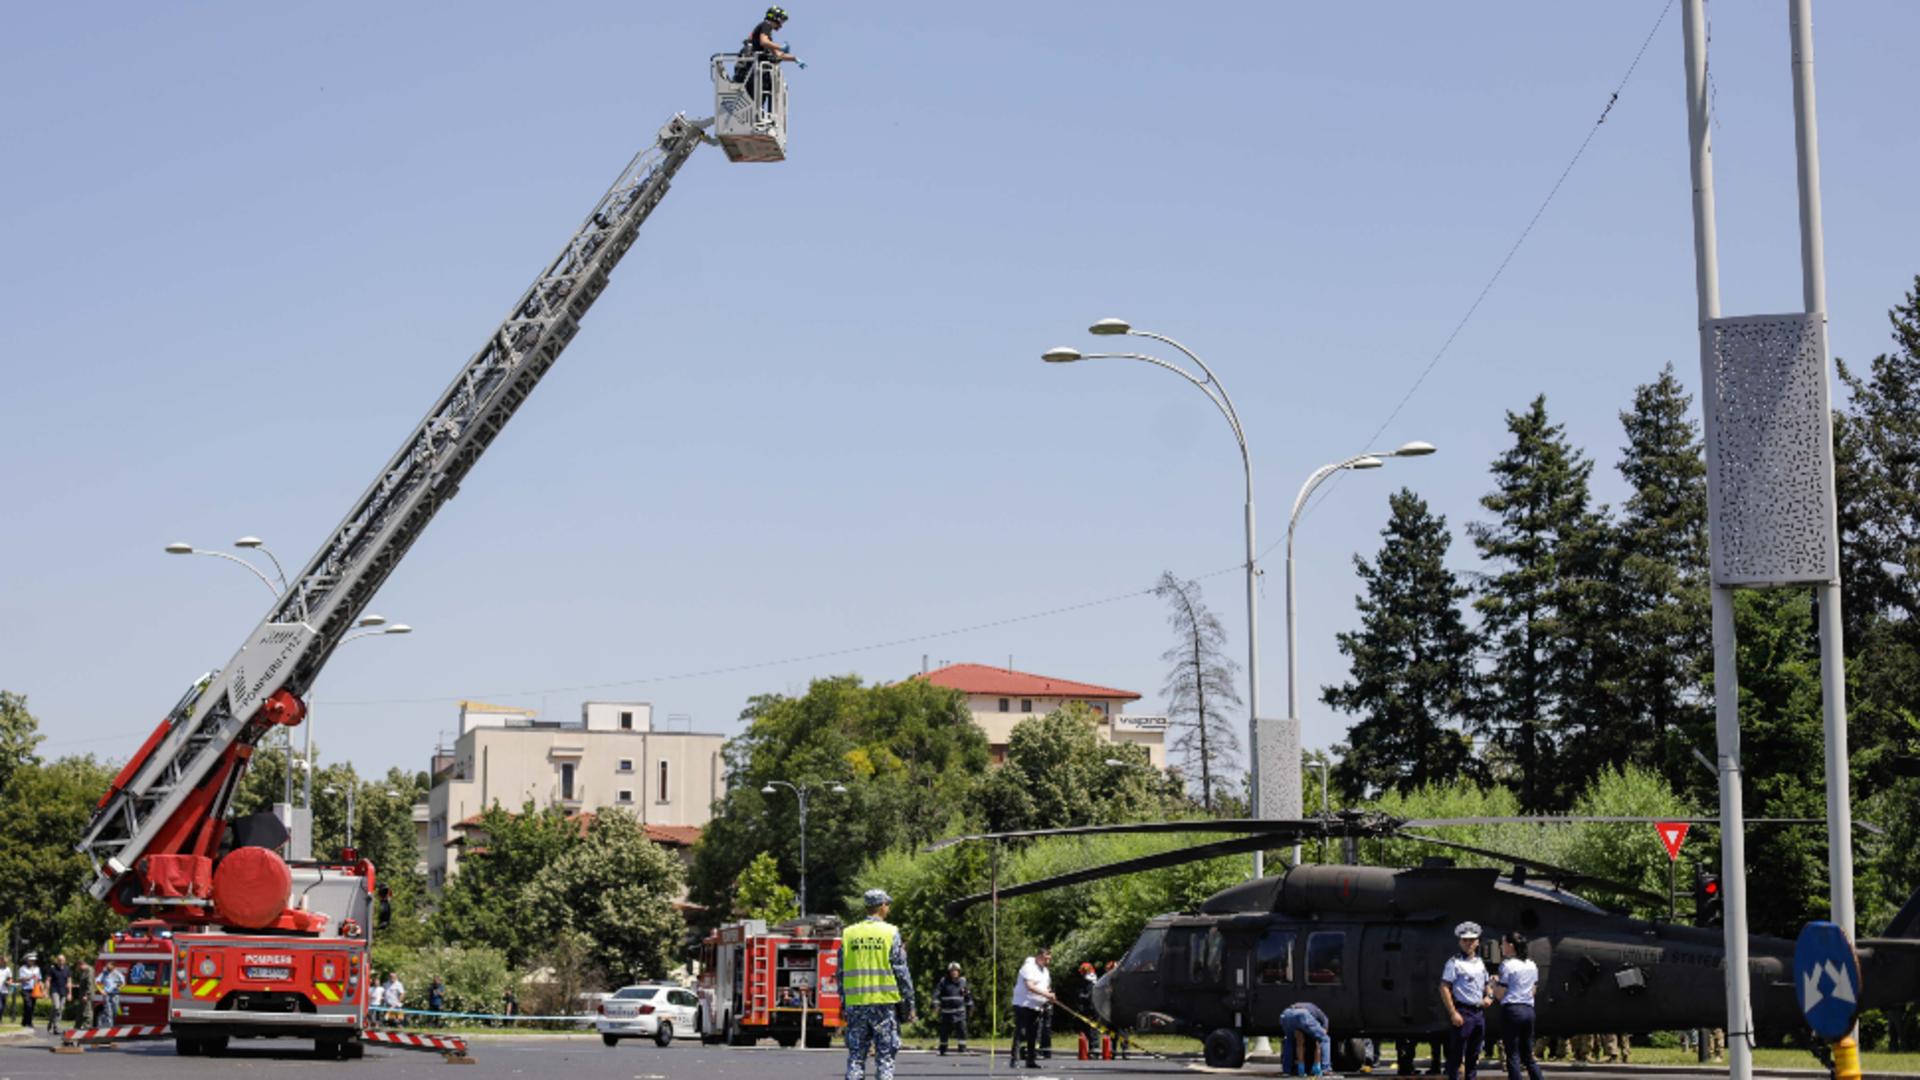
{"x": 269, "y": 974}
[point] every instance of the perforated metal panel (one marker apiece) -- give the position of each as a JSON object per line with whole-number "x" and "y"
{"x": 1279, "y": 768}
{"x": 1770, "y": 451}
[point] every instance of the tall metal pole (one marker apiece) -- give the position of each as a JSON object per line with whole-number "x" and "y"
{"x": 1726, "y": 679}
{"x": 802, "y": 793}
{"x": 1813, "y": 275}
{"x": 1253, "y": 672}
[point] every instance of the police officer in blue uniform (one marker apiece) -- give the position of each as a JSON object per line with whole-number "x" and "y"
{"x": 1463, "y": 991}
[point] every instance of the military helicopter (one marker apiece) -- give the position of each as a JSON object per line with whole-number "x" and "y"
{"x": 1366, "y": 944}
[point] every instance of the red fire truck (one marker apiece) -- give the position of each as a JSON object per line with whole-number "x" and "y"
{"x": 781, "y": 984}
{"x": 143, "y": 954}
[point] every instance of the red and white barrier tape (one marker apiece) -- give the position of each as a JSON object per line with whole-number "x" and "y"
{"x": 406, "y": 1040}
{"x": 110, "y": 1034}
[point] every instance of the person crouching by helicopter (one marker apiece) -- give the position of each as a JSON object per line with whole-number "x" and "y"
{"x": 1513, "y": 987}
{"x": 1463, "y": 991}
{"x": 1299, "y": 1022}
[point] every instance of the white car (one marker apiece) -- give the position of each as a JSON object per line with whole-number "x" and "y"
{"x": 659, "y": 1010}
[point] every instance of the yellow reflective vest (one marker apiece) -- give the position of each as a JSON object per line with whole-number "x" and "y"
{"x": 866, "y": 964}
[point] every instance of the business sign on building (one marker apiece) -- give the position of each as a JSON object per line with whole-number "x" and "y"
{"x": 1133, "y": 722}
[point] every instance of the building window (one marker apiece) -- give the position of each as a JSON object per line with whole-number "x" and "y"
{"x": 626, "y": 721}
{"x": 626, "y": 765}
{"x": 1026, "y": 704}
{"x": 566, "y": 781}
{"x": 1006, "y": 705}
{"x": 662, "y": 796}
{"x": 625, "y": 797}
{"x": 1273, "y": 959}
{"x": 1325, "y": 955}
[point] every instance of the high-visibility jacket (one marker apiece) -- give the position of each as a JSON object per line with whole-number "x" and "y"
{"x": 866, "y": 964}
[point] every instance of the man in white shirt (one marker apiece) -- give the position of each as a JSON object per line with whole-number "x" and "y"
{"x": 1032, "y": 993}
{"x": 396, "y": 999}
{"x": 1463, "y": 991}
{"x": 376, "y": 1002}
{"x": 6, "y": 985}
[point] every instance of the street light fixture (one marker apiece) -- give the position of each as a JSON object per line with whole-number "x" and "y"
{"x": 800, "y": 792}
{"x": 180, "y": 547}
{"x": 1211, "y": 386}
{"x": 252, "y": 543}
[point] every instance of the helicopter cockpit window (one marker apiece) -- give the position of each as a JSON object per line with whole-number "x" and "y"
{"x": 1273, "y": 959}
{"x": 1207, "y": 951}
{"x": 1326, "y": 953}
{"x": 1145, "y": 954}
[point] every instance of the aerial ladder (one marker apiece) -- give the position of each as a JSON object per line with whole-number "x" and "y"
{"x": 159, "y": 838}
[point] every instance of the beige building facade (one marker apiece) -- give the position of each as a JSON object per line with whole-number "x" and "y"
{"x": 1000, "y": 698}
{"x": 614, "y": 757}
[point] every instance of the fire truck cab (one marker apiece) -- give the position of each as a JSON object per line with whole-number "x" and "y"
{"x": 781, "y": 983}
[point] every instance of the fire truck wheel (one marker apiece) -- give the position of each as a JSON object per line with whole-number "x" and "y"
{"x": 819, "y": 1040}
{"x": 186, "y": 1047}
{"x": 354, "y": 1049}
{"x": 663, "y": 1035}
{"x": 786, "y": 1041}
{"x": 610, "y": 1040}
{"x": 215, "y": 1046}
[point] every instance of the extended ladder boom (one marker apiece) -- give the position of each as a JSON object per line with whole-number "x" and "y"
{"x": 172, "y": 796}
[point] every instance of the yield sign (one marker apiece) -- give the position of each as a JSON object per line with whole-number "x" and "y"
{"x": 1672, "y": 834}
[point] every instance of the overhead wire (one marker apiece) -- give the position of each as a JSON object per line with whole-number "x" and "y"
{"x": 1498, "y": 271}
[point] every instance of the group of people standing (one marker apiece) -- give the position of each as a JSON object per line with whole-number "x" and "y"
{"x": 1468, "y": 990}
{"x": 24, "y": 987}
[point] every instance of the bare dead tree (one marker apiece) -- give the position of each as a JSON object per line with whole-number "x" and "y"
{"x": 1199, "y": 688}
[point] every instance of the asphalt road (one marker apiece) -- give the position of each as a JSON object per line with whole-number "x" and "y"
{"x": 577, "y": 1058}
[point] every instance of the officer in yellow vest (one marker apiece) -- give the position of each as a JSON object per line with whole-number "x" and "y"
{"x": 874, "y": 984}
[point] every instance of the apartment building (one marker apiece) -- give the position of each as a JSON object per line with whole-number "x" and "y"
{"x": 615, "y": 756}
{"x": 1000, "y": 698}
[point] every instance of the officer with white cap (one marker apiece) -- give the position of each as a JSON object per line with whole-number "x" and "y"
{"x": 874, "y": 986}
{"x": 1463, "y": 992}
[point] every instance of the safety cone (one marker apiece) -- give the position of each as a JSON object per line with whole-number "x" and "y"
{"x": 1106, "y": 1047}
{"x": 1084, "y": 1055}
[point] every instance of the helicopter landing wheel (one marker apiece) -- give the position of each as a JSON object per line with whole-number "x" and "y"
{"x": 1225, "y": 1049}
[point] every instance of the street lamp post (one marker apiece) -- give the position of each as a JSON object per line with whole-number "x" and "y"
{"x": 800, "y": 792}
{"x": 251, "y": 543}
{"x": 354, "y": 782}
{"x": 1216, "y": 393}
{"x": 371, "y": 626}
{"x": 1371, "y": 460}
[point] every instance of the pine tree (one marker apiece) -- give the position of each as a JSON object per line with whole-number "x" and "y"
{"x": 1663, "y": 534}
{"x": 1412, "y": 677}
{"x": 1540, "y": 501}
{"x": 1199, "y": 688}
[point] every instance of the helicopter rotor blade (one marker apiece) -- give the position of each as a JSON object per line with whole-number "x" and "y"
{"x": 1157, "y": 861}
{"x": 1549, "y": 870}
{"x": 1597, "y": 819}
{"x": 1288, "y": 827}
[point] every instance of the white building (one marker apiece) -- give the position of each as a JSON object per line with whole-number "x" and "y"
{"x": 614, "y": 757}
{"x": 1000, "y": 698}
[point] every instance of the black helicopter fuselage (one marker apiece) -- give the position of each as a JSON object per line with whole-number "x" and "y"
{"x": 1367, "y": 944}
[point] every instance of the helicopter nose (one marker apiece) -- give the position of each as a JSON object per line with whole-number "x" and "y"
{"x": 1103, "y": 998}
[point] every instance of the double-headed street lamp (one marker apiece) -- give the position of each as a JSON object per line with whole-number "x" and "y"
{"x": 800, "y": 792}
{"x": 1216, "y": 393}
{"x": 1358, "y": 461}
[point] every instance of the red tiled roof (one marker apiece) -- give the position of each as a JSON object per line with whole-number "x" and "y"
{"x": 981, "y": 679}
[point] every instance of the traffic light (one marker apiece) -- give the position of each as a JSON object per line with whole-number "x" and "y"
{"x": 1706, "y": 897}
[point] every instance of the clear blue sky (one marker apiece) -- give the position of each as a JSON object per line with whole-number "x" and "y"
{"x": 245, "y": 245}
